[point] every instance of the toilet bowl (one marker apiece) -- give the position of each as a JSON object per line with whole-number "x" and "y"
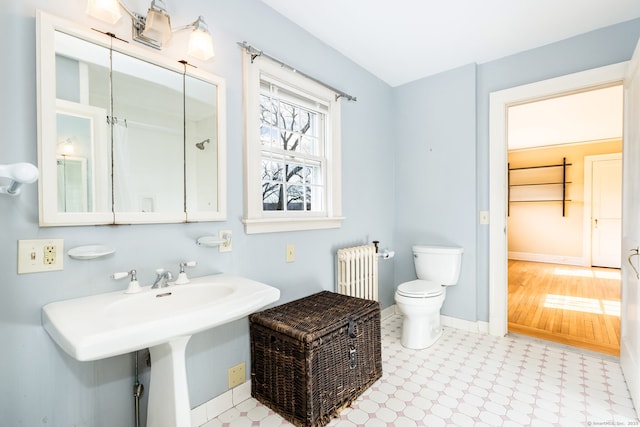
{"x": 419, "y": 301}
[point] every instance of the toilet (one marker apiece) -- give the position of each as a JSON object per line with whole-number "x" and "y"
{"x": 420, "y": 301}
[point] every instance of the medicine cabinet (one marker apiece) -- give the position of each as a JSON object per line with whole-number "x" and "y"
{"x": 125, "y": 135}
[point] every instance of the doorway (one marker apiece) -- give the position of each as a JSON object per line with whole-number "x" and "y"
{"x": 565, "y": 189}
{"x": 499, "y": 104}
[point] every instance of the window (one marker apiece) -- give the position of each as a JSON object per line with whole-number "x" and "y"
{"x": 292, "y": 151}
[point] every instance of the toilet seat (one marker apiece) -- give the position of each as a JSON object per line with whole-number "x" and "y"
{"x": 420, "y": 289}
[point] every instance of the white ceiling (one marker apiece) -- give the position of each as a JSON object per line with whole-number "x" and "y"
{"x": 404, "y": 40}
{"x": 583, "y": 117}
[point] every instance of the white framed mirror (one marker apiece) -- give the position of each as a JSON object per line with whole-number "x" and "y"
{"x": 82, "y": 185}
{"x": 125, "y": 136}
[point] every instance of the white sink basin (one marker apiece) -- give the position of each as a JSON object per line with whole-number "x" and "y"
{"x": 114, "y": 323}
{"x": 171, "y": 301}
{"x": 162, "y": 320}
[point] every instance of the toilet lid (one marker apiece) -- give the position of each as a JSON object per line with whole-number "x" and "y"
{"x": 420, "y": 288}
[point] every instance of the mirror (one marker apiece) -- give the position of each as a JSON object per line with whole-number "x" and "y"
{"x": 125, "y": 136}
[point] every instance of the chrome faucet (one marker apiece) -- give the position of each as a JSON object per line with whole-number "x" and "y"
{"x": 162, "y": 277}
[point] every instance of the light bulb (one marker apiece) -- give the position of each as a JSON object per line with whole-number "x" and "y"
{"x": 157, "y": 26}
{"x": 104, "y": 10}
{"x": 201, "y": 45}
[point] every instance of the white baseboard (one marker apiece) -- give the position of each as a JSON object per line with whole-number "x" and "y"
{"x": 388, "y": 312}
{"x": 209, "y": 410}
{"x": 552, "y": 259}
{"x": 478, "y": 327}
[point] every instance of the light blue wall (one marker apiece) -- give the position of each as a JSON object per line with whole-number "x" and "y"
{"x": 415, "y": 170}
{"x": 435, "y": 141}
{"x": 40, "y": 384}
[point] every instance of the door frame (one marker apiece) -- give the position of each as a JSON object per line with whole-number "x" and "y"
{"x": 588, "y": 203}
{"x": 499, "y": 102}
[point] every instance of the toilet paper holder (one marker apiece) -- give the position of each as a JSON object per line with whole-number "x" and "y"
{"x": 385, "y": 254}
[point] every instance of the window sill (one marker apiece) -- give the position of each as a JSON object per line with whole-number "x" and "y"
{"x": 275, "y": 225}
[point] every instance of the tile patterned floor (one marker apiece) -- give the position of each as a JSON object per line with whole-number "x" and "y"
{"x": 467, "y": 379}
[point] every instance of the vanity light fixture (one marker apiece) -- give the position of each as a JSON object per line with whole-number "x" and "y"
{"x": 154, "y": 29}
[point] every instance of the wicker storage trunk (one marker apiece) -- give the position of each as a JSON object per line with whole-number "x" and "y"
{"x": 312, "y": 357}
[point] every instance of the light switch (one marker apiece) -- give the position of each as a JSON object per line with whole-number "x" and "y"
{"x": 290, "y": 253}
{"x": 484, "y": 217}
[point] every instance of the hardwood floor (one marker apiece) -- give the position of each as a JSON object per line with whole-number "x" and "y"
{"x": 577, "y": 306}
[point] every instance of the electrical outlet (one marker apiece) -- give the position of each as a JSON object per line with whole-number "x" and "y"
{"x": 225, "y": 247}
{"x": 237, "y": 375}
{"x": 49, "y": 254}
{"x": 40, "y": 255}
{"x": 290, "y": 255}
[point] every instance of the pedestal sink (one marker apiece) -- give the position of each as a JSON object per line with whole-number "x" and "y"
{"x": 163, "y": 320}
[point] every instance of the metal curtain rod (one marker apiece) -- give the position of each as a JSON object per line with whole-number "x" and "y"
{"x": 254, "y": 52}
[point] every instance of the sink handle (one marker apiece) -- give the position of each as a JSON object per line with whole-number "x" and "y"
{"x": 123, "y": 274}
{"x": 182, "y": 276}
{"x": 134, "y": 286}
{"x": 187, "y": 264}
{"x": 120, "y": 275}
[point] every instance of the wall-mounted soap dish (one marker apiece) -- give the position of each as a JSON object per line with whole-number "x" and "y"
{"x": 90, "y": 251}
{"x": 211, "y": 241}
{"x": 222, "y": 241}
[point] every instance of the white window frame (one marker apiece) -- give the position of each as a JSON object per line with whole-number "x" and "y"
{"x": 256, "y": 220}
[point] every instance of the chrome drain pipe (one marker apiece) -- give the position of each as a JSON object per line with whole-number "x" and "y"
{"x": 138, "y": 389}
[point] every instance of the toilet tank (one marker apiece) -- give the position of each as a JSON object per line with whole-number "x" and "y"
{"x": 440, "y": 264}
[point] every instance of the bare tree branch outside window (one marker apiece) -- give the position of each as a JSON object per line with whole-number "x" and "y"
{"x": 288, "y": 133}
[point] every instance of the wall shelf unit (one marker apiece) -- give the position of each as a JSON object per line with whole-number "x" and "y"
{"x": 538, "y": 184}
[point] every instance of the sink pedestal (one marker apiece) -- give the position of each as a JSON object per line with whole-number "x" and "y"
{"x": 114, "y": 323}
{"x": 168, "y": 391}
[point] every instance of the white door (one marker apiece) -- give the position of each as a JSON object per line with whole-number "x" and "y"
{"x": 606, "y": 211}
{"x": 630, "y": 313}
